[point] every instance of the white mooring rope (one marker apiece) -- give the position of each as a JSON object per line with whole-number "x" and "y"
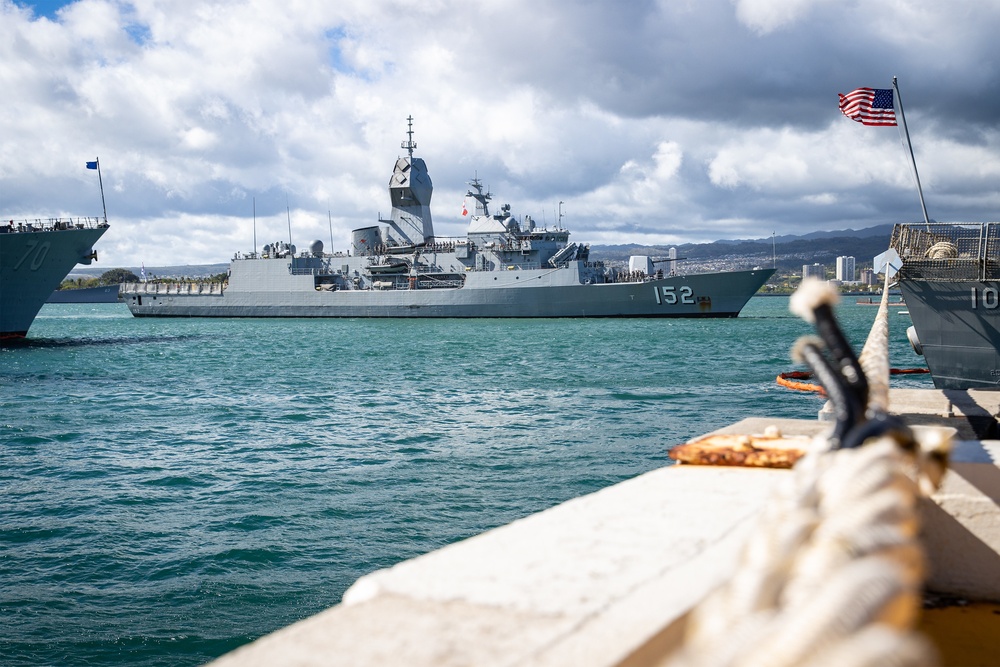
{"x": 833, "y": 573}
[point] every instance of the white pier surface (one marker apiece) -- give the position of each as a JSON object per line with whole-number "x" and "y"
{"x": 607, "y": 578}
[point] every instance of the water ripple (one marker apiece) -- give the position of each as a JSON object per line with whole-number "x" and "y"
{"x": 176, "y": 488}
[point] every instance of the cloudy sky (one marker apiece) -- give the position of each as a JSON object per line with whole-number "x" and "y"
{"x": 654, "y": 121}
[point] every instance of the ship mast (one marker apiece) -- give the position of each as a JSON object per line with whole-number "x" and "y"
{"x": 409, "y": 144}
{"x": 482, "y": 198}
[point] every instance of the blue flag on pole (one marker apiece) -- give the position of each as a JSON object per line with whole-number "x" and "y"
{"x": 92, "y": 165}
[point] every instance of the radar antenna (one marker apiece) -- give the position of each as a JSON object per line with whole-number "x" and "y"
{"x": 409, "y": 144}
{"x": 482, "y": 198}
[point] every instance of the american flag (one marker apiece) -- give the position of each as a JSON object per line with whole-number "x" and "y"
{"x": 869, "y": 106}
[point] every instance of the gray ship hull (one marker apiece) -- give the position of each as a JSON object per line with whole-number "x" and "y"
{"x": 101, "y": 294}
{"x": 515, "y": 294}
{"x": 950, "y": 280}
{"x": 33, "y": 263}
{"x": 960, "y": 338}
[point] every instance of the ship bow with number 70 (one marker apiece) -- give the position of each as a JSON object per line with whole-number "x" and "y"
{"x": 35, "y": 256}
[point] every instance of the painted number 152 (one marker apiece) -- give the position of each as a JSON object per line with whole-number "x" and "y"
{"x": 669, "y": 295}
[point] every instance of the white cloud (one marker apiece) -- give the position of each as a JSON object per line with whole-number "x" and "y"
{"x": 652, "y": 121}
{"x": 765, "y": 16}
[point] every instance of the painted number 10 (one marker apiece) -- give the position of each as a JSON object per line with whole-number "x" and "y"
{"x": 669, "y": 295}
{"x": 989, "y": 299}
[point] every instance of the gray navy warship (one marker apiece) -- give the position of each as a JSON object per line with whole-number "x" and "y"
{"x": 950, "y": 280}
{"x": 503, "y": 267}
{"x": 35, "y": 256}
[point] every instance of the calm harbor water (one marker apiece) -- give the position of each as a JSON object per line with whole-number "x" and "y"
{"x": 172, "y": 489}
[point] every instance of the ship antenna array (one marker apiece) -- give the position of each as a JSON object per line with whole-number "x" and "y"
{"x": 409, "y": 144}
{"x": 483, "y": 198}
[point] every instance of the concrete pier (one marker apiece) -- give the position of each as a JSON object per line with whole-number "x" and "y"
{"x": 607, "y": 579}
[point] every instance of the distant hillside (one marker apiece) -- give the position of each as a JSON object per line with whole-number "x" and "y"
{"x": 186, "y": 270}
{"x": 868, "y": 232}
{"x": 792, "y": 251}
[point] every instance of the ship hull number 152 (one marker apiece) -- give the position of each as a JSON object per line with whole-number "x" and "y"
{"x": 669, "y": 294}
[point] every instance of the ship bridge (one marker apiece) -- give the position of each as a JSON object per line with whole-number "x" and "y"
{"x": 410, "y": 190}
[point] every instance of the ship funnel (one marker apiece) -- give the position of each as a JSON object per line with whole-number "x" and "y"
{"x": 366, "y": 241}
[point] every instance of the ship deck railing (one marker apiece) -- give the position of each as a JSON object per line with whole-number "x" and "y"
{"x": 312, "y": 271}
{"x": 430, "y": 284}
{"x": 948, "y": 251}
{"x": 193, "y": 288}
{"x": 11, "y": 226}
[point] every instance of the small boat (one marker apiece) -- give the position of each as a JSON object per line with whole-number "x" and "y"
{"x": 875, "y": 301}
{"x": 390, "y": 267}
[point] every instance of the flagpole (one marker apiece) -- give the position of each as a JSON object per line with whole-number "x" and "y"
{"x": 101, "y": 182}
{"x": 906, "y": 131}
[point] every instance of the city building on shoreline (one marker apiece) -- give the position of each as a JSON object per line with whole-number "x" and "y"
{"x": 814, "y": 270}
{"x": 846, "y": 269}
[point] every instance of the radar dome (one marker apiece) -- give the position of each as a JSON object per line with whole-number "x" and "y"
{"x": 316, "y": 248}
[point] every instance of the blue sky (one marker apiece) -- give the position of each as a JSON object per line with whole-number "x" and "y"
{"x": 45, "y": 8}
{"x": 656, "y": 121}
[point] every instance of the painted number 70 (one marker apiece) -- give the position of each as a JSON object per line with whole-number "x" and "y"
{"x": 37, "y": 251}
